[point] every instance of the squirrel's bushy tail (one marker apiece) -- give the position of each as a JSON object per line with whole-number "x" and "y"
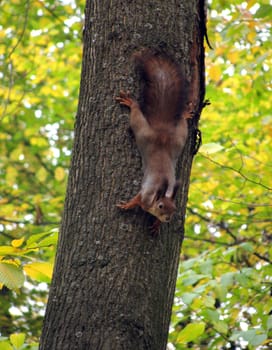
{"x": 164, "y": 92}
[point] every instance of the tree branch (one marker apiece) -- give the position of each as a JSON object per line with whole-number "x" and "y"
{"x": 238, "y": 172}
{"x": 23, "y": 31}
{"x": 217, "y": 224}
{"x": 264, "y": 258}
{"x": 25, "y": 222}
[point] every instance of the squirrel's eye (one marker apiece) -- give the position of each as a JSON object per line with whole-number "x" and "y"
{"x": 160, "y": 206}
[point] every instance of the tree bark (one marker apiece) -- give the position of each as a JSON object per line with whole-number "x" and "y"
{"x": 113, "y": 283}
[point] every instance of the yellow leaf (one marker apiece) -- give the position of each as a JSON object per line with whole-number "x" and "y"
{"x": 11, "y": 175}
{"x": 250, "y": 3}
{"x": 4, "y": 201}
{"x": 17, "y": 340}
{"x": 252, "y": 24}
{"x": 59, "y": 174}
{"x": 214, "y": 73}
{"x": 41, "y": 174}
{"x": 7, "y": 250}
{"x": 38, "y": 141}
{"x": 233, "y": 56}
{"x": 40, "y": 271}
{"x": 251, "y": 37}
{"x": 17, "y": 242}
{"x": 191, "y": 332}
{"x": 5, "y": 345}
{"x": 30, "y": 132}
{"x": 16, "y": 153}
{"x": 220, "y": 50}
{"x": 255, "y": 49}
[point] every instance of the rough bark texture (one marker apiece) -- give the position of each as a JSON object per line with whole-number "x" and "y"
{"x": 113, "y": 284}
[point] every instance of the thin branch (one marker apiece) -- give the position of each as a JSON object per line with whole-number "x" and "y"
{"x": 238, "y": 172}
{"x": 25, "y": 222}
{"x": 6, "y": 235}
{"x": 208, "y": 240}
{"x": 23, "y": 31}
{"x": 236, "y": 218}
{"x": 10, "y": 85}
{"x": 43, "y": 164}
{"x": 264, "y": 258}
{"x": 261, "y": 257}
{"x": 242, "y": 204}
{"x": 10, "y": 67}
{"x": 52, "y": 13}
{"x": 217, "y": 224}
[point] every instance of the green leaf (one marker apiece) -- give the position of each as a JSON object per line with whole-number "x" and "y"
{"x": 52, "y": 239}
{"x": 269, "y": 322}
{"x": 193, "y": 279}
{"x": 253, "y": 336}
{"x": 227, "y": 279}
{"x": 11, "y": 275}
{"x": 211, "y": 315}
{"x": 187, "y": 298}
{"x": 7, "y": 250}
{"x": 5, "y": 345}
{"x": 264, "y": 11}
{"x": 188, "y": 264}
{"x": 210, "y": 148}
{"x": 36, "y": 240}
{"x": 191, "y": 332}
{"x": 208, "y": 301}
{"x": 247, "y": 246}
{"x": 206, "y": 267}
{"x": 17, "y": 340}
{"x": 243, "y": 279}
{"x": 221, "y": 327}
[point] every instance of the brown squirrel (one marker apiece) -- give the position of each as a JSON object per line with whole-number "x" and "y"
{"x": 160, "y": 130}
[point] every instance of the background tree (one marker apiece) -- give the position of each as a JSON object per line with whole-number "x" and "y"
{"x": 44, "y": 41}
{"x": 114, "y": 284}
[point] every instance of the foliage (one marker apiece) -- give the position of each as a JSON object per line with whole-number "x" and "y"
{"x": 225, "y": 273}
{"x": 16, "y": 341}
{"x": 40, "y": 57}
{"x": 224, "y": 284}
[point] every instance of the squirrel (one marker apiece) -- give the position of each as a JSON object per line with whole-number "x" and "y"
{"x": 160, "y": 130}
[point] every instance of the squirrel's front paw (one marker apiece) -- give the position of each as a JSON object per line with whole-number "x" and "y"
{"x": 123, "y": 205}
{"x": 124, "y": 99}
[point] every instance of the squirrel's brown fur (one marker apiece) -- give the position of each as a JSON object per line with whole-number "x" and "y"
{"x": 160, "y": 130}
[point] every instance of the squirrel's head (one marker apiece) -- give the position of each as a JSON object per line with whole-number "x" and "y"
{"x": 164, "y": 207}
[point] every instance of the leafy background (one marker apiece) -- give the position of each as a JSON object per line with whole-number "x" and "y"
{"x": 223, "y": 295}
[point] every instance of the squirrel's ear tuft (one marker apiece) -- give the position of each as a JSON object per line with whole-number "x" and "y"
{"x": 162, "y": 190}
{"x": 175, "y": 190}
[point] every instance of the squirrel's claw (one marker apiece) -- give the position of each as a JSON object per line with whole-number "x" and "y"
{"x": 125, "y": 94}
{"x": 124, "y": 98}
{"x": 122, "y": 205}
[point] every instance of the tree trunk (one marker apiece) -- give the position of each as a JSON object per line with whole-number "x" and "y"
{"x": 113, "y": 284}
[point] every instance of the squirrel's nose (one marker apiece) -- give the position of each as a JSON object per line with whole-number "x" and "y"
{"x": 167, "y": 218}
